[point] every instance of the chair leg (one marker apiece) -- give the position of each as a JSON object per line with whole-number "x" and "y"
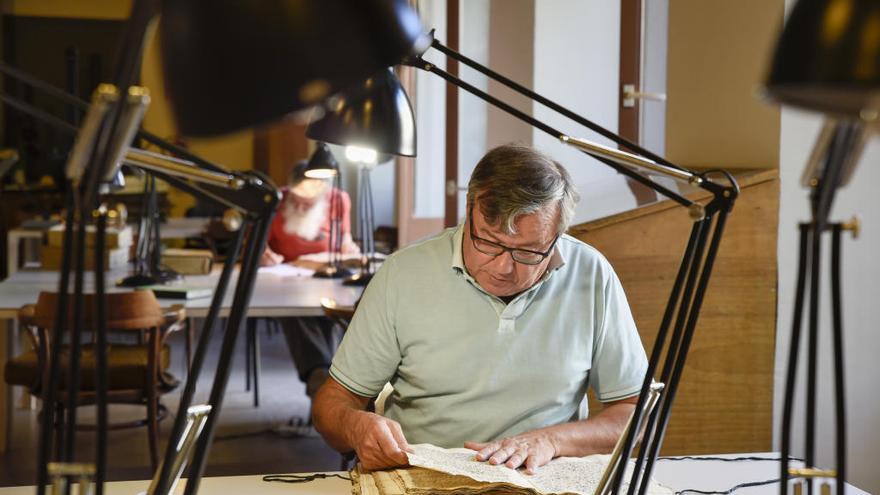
{"x": 255, "y": 360}
{"x": 153, "y": 429}
{"x": 248, "y": 352}
{"x": 189, "y": 329}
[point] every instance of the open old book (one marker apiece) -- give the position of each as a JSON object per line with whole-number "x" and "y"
{"x": 439, "y": 470}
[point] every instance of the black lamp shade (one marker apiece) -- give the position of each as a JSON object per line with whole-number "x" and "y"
{"x": 231, "y": 64}
{"x": 322, "y": 164}
{"x": 376, "y": 114}
{"x": 828, "y": 58}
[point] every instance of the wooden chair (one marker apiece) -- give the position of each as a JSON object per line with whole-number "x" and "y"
{"x": 341, "y": 315}
{"x": 137, "y": 369}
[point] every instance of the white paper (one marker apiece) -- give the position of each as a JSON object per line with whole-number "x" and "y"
{"x": 286, "y": 270}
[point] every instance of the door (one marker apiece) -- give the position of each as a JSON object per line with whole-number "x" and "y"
{"x": 642, "y": 98}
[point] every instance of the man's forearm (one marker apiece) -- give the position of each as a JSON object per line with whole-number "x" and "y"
{"x": 595, "y": 435}
{"x": 333, "y": 415}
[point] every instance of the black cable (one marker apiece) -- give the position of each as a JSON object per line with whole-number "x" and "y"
{"x": 234, "y": 436}
{"x": 302, "y": 478}
{"x": 723, "y": 459}
{"x": 747, "y": 484}
{"x": 735, "y": 488}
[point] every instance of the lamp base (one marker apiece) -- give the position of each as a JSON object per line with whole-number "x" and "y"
{"x": 358, "y": 279}
{"x": 332, "y": 272}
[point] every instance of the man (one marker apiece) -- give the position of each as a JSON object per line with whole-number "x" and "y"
{"x": 490, "y": 334}
{"x": 302, "y": 226}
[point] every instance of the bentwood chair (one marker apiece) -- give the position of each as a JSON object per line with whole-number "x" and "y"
{"x": 138, "y": 356}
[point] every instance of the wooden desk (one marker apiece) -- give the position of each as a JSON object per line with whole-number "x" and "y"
{"x": 678, "y": 475}
{"x": 273, "y": 296}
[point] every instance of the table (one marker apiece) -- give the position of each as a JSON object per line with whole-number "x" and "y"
{"x": 678, "y": 475}
{"x": 273, "y": 296}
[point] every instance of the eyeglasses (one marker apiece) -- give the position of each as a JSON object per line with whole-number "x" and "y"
{"x": 524, "y": 256}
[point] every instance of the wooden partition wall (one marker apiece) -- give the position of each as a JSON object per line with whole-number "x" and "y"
{"x": 725, "y": 398}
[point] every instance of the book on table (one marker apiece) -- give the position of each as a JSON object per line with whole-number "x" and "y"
{"x": 434, "y": 470}
{"x": 178, "y": 291}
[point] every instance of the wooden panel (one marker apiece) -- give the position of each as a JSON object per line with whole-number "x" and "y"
{"x": 277, "y": 148}
{"x": 725, "y": 398}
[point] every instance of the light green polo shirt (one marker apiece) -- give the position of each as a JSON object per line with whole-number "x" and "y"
{"x": 465, "y": 366}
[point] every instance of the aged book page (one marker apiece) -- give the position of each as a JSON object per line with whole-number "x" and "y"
{"x": 563, "y": 475}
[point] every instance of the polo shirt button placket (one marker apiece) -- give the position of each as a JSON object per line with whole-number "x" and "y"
{"x": 506, "y": 325}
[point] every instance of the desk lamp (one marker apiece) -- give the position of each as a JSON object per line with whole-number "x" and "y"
{"x": 323, "y": 166}
{"x": 333, "y": 43}
{"x": 374, "y": 120}
{"x": 827, "y": 60}
{"x": 690, "y": 284}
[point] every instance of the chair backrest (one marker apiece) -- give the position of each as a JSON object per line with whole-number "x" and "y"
{"x": 341, "y": 315}
{"x": 134, "y": 310}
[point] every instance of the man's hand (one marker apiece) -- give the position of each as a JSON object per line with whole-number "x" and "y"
{"x": 532, "y": 449}
{"x": 378, "y": 441}
{"x": 270, "y": 258}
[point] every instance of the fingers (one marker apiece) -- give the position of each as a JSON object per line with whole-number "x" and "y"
{"x": 528, "y": 452}
{"x": 392, "y": 450}
{"x": 382, "y": 444}
{"x": 537, "y": 459}
{"x": 397, "y": 433}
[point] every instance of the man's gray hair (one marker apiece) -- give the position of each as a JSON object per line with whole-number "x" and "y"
{"x": 513, "y": 180}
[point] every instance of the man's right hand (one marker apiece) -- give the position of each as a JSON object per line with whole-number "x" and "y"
{"x": 270, "y": 258}
{"x": 378, "y": 441}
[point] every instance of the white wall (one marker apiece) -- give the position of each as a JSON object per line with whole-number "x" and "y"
{"x": 652, "y": 115}
{"x": 473, "y": 112}
{"x": 430, "y": 109}
{"x": 577, "y": 60}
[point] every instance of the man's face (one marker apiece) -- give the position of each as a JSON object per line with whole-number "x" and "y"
{"x": 306, "y": 193}
{"x": 500, "y": 275}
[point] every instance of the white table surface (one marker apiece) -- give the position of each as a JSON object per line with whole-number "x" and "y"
{"x": 273, "y": 295}
{"x": 678, "y": 475}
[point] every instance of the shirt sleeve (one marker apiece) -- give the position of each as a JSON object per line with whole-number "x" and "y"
{"x": 369, "y": 353}
{"x": 619, "y": 362}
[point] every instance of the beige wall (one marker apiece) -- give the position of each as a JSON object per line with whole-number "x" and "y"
{"x": 511, "y": 53}
{"x": 233, "y": 151}
{"x": 718, "y": 51}
{"x": 84, "y": 9}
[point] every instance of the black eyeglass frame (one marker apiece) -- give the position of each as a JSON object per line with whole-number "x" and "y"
{"x": 506, "y": 249}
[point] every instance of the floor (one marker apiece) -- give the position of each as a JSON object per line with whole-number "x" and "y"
{"x": 244, "y": 442}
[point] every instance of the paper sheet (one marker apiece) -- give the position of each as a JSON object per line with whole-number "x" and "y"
{"x": 286, "y": 270}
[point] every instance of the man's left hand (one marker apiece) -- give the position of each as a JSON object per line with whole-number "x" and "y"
{"x": 532, "y": 449}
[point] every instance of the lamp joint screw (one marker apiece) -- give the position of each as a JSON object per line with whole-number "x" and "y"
{"x": 854, "y": 226}
{"x": 696, "y": 212}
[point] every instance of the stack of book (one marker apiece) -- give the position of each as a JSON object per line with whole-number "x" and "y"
{"x": 116, "y": 253}
{"x": 187, "y": 261}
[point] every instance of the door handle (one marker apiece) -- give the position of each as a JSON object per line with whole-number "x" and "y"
{"x": 630, "y": 95}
